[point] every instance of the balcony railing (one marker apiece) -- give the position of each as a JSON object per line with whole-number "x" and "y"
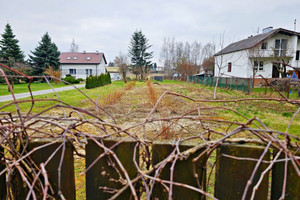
{"x": 264, "y": 53}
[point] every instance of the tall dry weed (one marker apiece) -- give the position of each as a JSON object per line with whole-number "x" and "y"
{"x": 152, "y": 94}
{"x": 112, "y": 98}
{"x": 129, "y": 86}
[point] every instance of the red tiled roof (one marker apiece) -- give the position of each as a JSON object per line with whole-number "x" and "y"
{"x": 82, "y": 58}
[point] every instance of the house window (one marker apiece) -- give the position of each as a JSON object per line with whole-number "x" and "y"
{"x": 88, "y": 58}
{"x": 280, "y": 47}
{"x": 264, "y": 45}
{"x": 88, "y": 72}
{"x": 258, "y": 65}
{"x": 229, "y": 67}
{"x": 297, "y": 55}
{"x": 69, "y": 58}
{"x": 72, "y": 71}
{"x": 255, "y": 65}
{"x": 261, "y": 66}
{"x": 75, "y": 58}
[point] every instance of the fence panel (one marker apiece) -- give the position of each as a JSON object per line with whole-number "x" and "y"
{"x": 105, "y": 172}
{"x": 184, "y": 172}
{"x": 292, "y": 182}
{"x": 40, "y": 156}
{"x": 232, "y": 175}
{"x": 241, "y": 84}
{"x": 2, "y": 178}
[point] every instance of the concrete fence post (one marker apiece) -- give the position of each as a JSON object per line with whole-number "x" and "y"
{"x": 292, "y": 182}
{"x": 183, "y": 172}
{"x": 2, "y": 177}
{"x": 105, "y": 172}
{"x": 39, "y": 156}
{"x": 232, "y": 175}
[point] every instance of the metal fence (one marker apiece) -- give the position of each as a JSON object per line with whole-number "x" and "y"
{"x": 241, "y": 84}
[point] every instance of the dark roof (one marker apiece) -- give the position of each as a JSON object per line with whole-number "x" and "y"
{"x": 82, "y": 58}
{"x": 253, "y": 41}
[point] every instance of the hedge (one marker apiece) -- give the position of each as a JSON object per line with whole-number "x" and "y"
{"x": 97, "y": 81}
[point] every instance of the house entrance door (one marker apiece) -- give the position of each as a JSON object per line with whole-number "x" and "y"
{"x": 275, "y": 72}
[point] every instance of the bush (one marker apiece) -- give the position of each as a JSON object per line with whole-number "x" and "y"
{"x": 80, "y": 79}
{"x": 97, "y": 81}
{"x": 70, "y": 79}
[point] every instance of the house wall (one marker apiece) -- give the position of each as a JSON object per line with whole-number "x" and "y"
{"x": 294, "y": 62}
{"x": 81, "y": 69}
{"x": 114, "y": 76}
{"x": 239, "y": 64}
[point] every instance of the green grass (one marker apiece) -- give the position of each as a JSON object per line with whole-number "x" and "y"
{"x": 271, "y": 92}
{"x": 23, "y": 87}
{"x": 70, "y": 97}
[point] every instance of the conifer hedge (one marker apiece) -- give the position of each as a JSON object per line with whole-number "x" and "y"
{"x": 97, "y": 81}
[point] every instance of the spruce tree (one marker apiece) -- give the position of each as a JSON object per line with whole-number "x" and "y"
{"x": 45, "y": 55}
{"x": 10, "y": 51}
{"x": 138, "y": 51}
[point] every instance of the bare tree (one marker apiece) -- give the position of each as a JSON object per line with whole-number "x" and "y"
{"x": 281, "y": 56}
{"x": 122, "y": 62}
{"x": 74, "y": 46}
{"x": 208, "y": 50}
{"x": 208, "y": 64}
{"x": 173, "y": 53}
{"x": 220, "y": 64}
{"x": 186, "y": 69}
{"x": 255, "y": 59}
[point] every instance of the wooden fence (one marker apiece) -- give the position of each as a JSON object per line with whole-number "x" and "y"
{"x": 235, "y": 165}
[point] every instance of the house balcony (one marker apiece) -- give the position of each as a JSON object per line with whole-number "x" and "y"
{"x": 272, "y": 53}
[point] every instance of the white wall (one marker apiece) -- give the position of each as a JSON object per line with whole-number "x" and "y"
{"x": 81, "y": 69}
{"x": 239, "y": 64}
{"x": 114, "y": 76}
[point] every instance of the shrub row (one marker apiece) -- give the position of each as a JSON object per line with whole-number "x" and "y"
{"x": 97, "y": 81}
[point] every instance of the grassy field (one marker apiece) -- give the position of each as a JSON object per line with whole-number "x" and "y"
{"x": 129, "y": 105}
{"x": 23, "y": 87}
{"x": 271, "y": 92}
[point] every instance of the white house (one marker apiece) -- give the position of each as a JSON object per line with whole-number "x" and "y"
{"x": 81, "y": 65}
{"x": 256, "y": 54}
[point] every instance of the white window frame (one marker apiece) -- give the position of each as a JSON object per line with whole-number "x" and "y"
{"x": 72, "y": 71}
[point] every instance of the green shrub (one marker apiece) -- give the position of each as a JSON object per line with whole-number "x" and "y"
{"x": 69, "y": 79}
{"x": 97, "y": 81}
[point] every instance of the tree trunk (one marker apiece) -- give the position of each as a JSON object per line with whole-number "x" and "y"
{"x": 215, "y": 90}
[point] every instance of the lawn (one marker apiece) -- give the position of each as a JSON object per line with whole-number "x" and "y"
{"x": 23, "y": 87}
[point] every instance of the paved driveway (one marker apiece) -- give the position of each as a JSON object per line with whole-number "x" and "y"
{"x": 27, "y": 94}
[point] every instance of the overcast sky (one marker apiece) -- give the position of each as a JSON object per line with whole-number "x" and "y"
{"x": 107, "y": 26}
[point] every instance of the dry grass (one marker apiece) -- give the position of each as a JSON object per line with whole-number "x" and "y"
{"x": 113, "y": 98}
{"x": 152, "y": 94}
{"x": 129, "y": 86}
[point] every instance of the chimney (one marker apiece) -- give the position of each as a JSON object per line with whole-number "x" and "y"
{"x": 268, "y": 29}
{"x": 97, "y": 52}
{"x": 84, "y": 51}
